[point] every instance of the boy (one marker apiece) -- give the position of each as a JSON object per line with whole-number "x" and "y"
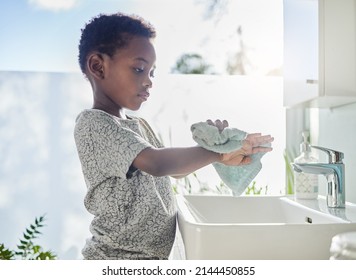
{"x": 125, "y": 167}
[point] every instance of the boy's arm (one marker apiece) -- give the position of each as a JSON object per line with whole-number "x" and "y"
{"x": 175, "y": 162}
{"x": 178, "y": 162}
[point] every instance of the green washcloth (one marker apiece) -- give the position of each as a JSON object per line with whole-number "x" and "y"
{"x": 237, "y": 178}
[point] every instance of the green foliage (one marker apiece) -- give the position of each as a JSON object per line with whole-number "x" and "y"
{"x": 253, "y": 190}
{"x": 191, "y": 64}
{"x": 288, "y": 158}
{"x": 5, "y": 254}
{"x": 186, "y": 184}
{"x": 222, "y": 188}
{"x": 192, "y": 184}
{"x": 27, "y": 249}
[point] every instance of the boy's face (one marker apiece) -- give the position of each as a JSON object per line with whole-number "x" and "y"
{"x": 128, "y": 75}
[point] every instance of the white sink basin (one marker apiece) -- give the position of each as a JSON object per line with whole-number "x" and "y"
{"x": 260, "y": 227}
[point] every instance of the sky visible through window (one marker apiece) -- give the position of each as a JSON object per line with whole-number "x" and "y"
{"x": 42, "y": 35}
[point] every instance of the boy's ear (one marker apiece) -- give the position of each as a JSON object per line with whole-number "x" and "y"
{"x": 95, "y": 65}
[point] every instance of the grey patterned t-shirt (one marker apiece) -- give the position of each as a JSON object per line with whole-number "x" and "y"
{"x": 134, "y": 212}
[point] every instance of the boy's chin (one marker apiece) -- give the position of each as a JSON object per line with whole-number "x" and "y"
{"x": 134, "y": 108}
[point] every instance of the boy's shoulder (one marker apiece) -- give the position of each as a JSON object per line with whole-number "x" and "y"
{"x": 93, "y": 114}
{"x": 88, "y": 116}
{"x": 95, "y": 118}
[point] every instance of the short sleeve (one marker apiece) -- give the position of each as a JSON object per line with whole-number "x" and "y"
{"x": 111, "y": 147}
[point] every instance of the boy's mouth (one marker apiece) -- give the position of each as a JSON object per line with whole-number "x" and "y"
{"x": 144, "y": 95}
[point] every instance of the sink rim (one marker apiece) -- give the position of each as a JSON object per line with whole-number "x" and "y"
{"x": 187, "y": 214}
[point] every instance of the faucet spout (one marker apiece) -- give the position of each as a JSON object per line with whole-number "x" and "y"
{"x": 334, "y": 173}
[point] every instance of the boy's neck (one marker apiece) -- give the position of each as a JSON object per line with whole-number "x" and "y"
{"x": 117, "y": 113}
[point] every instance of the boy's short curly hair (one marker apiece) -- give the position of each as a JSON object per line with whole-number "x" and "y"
{"x": 107, "y": 33}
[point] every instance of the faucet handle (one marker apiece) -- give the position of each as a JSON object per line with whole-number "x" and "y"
{"x": 334, "y": 156}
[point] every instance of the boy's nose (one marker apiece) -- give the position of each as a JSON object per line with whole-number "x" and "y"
{"x": 147, "y": 83}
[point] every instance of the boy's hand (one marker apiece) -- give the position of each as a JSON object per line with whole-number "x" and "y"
{"x": 219, "y": 124}
{"x": 251, "y": 145}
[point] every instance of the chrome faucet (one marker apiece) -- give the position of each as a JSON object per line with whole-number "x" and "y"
{"x": 334, "y": 172}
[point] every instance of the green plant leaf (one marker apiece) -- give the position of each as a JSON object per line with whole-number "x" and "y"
{"x": 36, "y": 249}
{"x": 289, "y": 171}
{"x": 27, "y": 249}
{"x": 5, "y": 254}
{"x": 26, "y": 236}
{"x": 48, "y": 255}
{"x": 41, "y": 219}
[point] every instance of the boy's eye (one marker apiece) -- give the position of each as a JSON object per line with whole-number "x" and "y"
{"x": 138, "y": 70}
{"x": 141, "y": 70}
